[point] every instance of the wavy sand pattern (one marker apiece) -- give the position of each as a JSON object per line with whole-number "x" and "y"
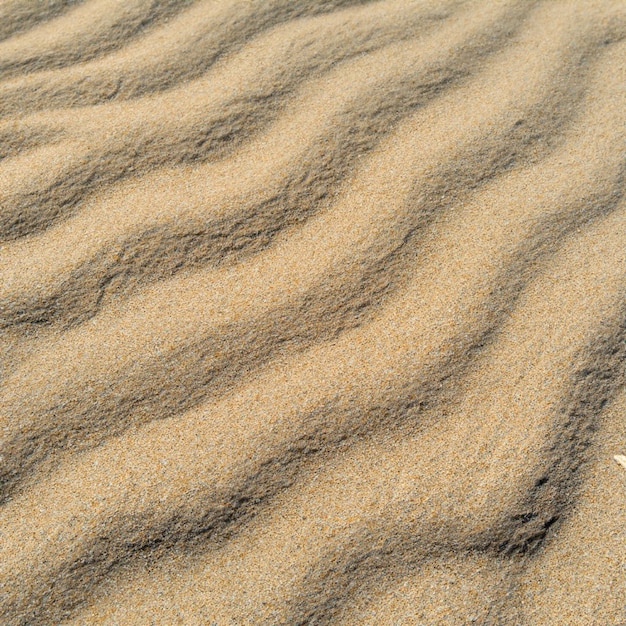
{"x": 312, "y": 312}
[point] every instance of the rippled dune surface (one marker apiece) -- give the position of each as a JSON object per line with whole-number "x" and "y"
{"x": 312, "y": 312}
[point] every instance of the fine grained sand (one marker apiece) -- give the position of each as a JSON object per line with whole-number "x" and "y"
{"x": 312, "y": 312}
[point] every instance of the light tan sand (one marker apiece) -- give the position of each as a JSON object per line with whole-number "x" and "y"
{"x": 312, "y": 312}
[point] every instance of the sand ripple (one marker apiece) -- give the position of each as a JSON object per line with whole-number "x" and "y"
{"x": 311, "y": 312}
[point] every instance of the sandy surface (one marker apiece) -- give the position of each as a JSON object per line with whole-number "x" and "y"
{"x": 312, "y": 312}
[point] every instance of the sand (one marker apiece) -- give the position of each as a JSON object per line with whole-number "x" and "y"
{"x": 313, "y": 312}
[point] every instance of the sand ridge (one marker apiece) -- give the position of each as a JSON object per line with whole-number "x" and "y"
{"x": 309, "y": 309}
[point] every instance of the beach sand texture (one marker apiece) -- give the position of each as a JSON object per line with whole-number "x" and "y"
{"x": 312, "y": 312}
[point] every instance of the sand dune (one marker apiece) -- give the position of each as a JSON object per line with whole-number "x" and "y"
{"x": 312, "y": 312}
